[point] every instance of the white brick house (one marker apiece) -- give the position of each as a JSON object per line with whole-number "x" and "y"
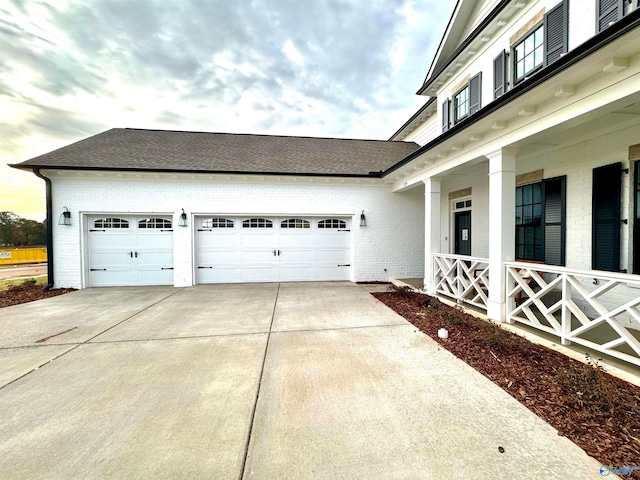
{"x": 529, "y": 157}
{"x": 515, "y": 188}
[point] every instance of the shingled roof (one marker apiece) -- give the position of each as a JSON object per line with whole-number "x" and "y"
{"x": 175, "y": 151}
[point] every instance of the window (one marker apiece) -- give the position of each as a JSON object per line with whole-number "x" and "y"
{"x": 295, "y": 223}
{"x": 257, "y": 223}
{"x": 461, "y": 104}
{"x": 332, "y": 223}
{"x": 529, "y": 229}
{"x": 540, "y": 221}
{"x": 217, "y": 223}
{"x": 528, "y": 54}
{"x": 111, "y": 223}
{"x": 154, "y": 223}
{"x": 542, "y": 46}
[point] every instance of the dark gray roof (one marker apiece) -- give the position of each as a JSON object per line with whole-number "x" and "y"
{"x": 162, "y": 150}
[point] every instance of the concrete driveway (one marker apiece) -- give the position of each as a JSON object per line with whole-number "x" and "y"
{"x": 263, "y": 381}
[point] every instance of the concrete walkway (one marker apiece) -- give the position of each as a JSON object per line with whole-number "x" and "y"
{"x": 265, "y": 381}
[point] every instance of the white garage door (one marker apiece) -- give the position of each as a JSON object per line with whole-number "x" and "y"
{"x": 128, "y": 250}
{"x": 258, "y": 249}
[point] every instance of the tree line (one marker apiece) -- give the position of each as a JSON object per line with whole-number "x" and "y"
{"x": 16, "y": 231}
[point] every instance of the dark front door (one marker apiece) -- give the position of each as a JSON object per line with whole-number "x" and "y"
{"x": 463, "y": 233}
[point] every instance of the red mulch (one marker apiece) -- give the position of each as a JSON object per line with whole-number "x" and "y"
{"x": 602, "y": 416}
{"x": 29, "y": 294}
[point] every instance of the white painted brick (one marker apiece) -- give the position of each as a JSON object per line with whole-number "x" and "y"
{"x": 393, "y": 239}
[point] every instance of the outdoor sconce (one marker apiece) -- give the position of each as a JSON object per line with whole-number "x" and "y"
{"x": 65, "y": 217}
{"x": 363, "y": 219}
{"x": 183, "y": 219}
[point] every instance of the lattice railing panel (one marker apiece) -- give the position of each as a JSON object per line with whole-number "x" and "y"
{"x": 466, "y": 279}
{"x": 599, "y": 310}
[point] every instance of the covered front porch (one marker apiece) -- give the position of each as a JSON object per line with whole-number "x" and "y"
{"x": 595, "y": 309}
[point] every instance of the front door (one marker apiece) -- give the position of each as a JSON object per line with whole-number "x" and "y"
{"x": 463, "y": 233}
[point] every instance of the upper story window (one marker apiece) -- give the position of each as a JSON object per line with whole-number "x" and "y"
{"x": 529, "y": 54}
{"x": 542, "y": 46}
{"x": 466, "y": 102}
{"x": 461, "y": 104}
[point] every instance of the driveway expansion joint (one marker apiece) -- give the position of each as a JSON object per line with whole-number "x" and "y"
{"x": 255, "y": 403}
{"x": 76, "y": 345}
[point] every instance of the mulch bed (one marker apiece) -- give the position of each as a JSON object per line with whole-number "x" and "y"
{"x": 29, "y": 294}
{"x": 599, "y": 413}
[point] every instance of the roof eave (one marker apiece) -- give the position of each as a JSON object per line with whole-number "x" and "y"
{"x": 371, "y": 174}
{"x": 595, "y": 43}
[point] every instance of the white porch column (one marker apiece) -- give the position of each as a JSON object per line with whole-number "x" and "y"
{"x": 432, "y": 229}
{"x": 502, "y": 226}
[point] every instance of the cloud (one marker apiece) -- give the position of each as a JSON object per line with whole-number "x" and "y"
{"x": 345, "y": 68}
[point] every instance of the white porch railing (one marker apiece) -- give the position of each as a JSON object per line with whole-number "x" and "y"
{"x": 466, "y": 279}
{"x": 599, "y": 310}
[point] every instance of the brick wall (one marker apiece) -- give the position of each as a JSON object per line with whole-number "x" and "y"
{"x": 392, "y": 244}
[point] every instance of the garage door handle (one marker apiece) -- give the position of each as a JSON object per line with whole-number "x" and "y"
{"x": 205, "y": 267}
{"x": 98, "y": 269}
{"x": 97, "y": 230}
{"x": 344, "y": 230}
{"x": 169, "y": 230}
{"x": 204, "y": 230}
{"x": 345, "y": 265}
{"x": 166, "y": 268}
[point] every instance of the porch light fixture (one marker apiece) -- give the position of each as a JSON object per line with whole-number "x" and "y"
{"x": 363, "y": 219}
{"x": 65, "y": 217}
{"x": 183, "y": 219}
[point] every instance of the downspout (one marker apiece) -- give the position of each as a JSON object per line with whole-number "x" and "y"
{"x": 49, "y": 285}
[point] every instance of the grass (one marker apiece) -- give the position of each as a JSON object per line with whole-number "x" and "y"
{"x": 6, "y": 284}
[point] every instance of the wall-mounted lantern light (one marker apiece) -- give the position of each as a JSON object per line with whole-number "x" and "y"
{"x": 363, "y": 219}
{"x": 65, "y": 217}
{"x": 183, "y": 219}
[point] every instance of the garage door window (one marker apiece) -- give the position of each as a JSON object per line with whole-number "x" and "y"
{"x": 295, "y": 223}
{"x": 111, "y": 223}
{"x": 217, "y": 223}
{"x": 257, "y": 223}
{"x": 332, "y": 223}
{"x": 154, "y": 223}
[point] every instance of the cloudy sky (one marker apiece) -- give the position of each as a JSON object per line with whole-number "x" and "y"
{"x": 336, "y": 68}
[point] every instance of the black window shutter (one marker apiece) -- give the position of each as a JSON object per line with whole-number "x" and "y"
{"x": 607, "y": 186}
{"x": 500, "y": 75}
{"x": 446, "y": 109}
{"x": 609, "y": 12}
{"x": 556, "y": 31}
{"x": 554, "y": 220}
{"x": 475, "y": 93}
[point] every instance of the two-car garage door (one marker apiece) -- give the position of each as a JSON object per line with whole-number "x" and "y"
{"x": 271, "y": 249}
{"x": 138, "y": 250}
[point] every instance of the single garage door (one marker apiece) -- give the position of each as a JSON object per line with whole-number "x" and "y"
{"x": 130, "y": 250}
{"x": 259, "y": 249}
